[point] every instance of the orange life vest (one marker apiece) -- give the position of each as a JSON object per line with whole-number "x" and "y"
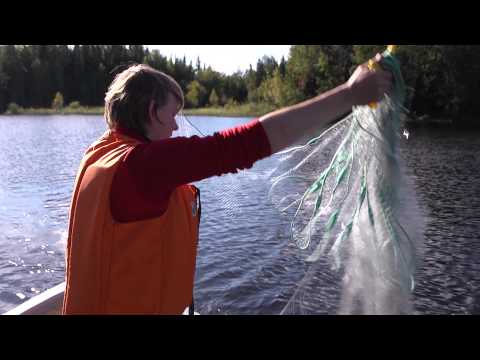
{"x": 142, "y": 267}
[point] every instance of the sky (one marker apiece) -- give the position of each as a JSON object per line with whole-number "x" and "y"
{"x": 223, "y": 58}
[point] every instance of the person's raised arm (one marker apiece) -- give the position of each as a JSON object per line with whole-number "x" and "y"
{"x": 286, "y": 126}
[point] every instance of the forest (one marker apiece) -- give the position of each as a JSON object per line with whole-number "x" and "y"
{"x": 443, "y": 80}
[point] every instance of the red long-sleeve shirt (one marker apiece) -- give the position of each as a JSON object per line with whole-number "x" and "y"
{"x": 145, "y": 179}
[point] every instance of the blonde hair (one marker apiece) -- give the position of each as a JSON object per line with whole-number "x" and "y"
{"x": 129, "y": 95}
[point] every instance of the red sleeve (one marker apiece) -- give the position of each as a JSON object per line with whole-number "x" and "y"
{"x": 151, "y": 171}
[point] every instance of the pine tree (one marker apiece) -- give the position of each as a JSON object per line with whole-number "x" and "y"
{"x": 57, "y": 103}
{"x": 213, "y": 98}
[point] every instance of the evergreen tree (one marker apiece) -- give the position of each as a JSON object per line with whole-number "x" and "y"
{"x": 196, "y": 94}
{"x": 444, "y": 80}
{"x": 260, "y": 73}
{"x": 213, "y": 99}
{"x": 282, "y": 67}
{"x": 57, "y": 102}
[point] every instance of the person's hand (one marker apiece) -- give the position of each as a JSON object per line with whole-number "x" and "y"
{"x": 369, "y": 86}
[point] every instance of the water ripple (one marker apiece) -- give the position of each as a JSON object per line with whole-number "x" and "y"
{"x": 246, "y": 262}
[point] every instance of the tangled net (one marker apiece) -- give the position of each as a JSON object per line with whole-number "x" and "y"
{"x": 349, "y": 211}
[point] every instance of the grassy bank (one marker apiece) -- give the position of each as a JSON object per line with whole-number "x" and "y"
{"x": 251, "y": 110}
{"x": 243, "y": 110}
{"x": 82, "y": 110}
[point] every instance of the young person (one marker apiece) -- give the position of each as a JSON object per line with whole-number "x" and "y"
{"x": 134, "y": 218}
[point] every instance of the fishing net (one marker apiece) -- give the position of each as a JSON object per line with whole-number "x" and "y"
{"x": 226, "y": 197}
{"x": 343, "y": 193}
{"x": 350, "y": 209}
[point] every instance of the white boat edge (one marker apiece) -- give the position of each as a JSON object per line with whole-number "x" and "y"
{"x": 47, "y": 303}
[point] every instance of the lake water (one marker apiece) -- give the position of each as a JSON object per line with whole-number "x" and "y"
{"x": 246, "y": 262}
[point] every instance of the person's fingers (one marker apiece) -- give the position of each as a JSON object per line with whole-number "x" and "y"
{"x": 385, "y": 77}
{"x": 373, "y": 64}
{"x": 386, "y": 85}
{"x": 384, "y": 81}
{"x": 364, "y": 67}
{"x": 388, "y": 75}
{"x": 384, "y": 73}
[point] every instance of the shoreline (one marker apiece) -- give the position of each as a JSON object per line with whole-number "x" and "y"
{"x": 64, "y": 111}
{"x": 246, "y": 110}
{"x": 427, "y": 122}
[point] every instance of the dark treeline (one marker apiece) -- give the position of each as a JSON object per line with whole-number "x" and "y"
{"x": 444, "y": 80}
